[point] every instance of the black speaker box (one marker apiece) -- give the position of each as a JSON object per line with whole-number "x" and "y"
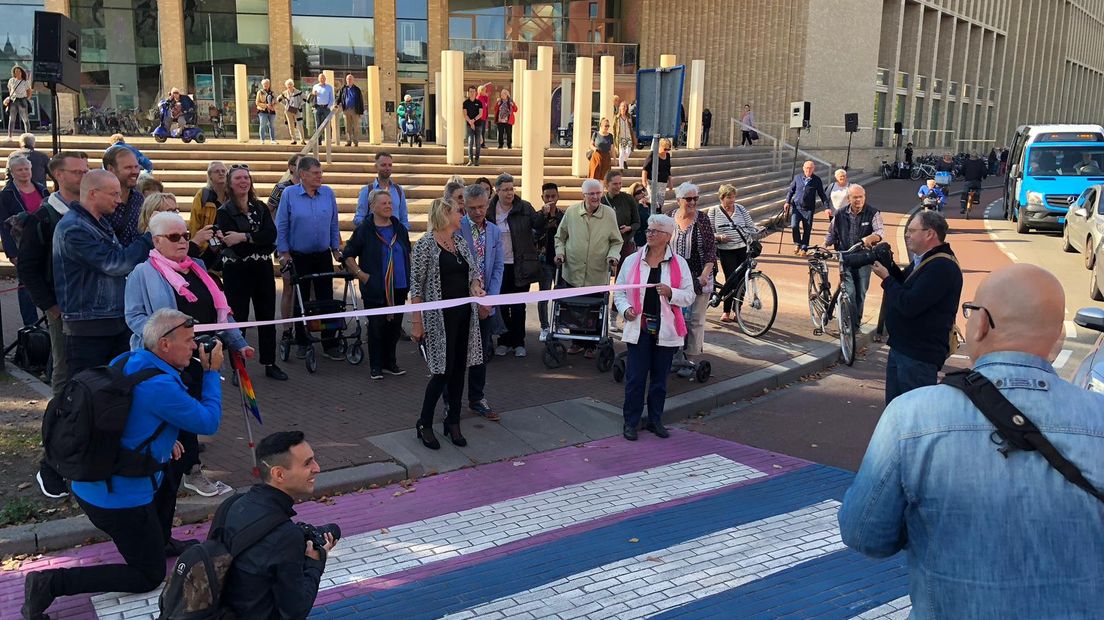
{"x": 57, "y": 51}
{"x": 851, "y": 122}
{"x": 897, "y": 127}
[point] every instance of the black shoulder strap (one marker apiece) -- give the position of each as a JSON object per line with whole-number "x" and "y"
{"x": 1014, "y": 427}
{"x": 249, "y": 535}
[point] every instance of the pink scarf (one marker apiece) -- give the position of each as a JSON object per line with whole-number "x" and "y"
{"x": 637, "y": 295}
{"x": 172, "y": 270}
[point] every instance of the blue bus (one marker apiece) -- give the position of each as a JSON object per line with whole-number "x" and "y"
{"x": 1053, "y": 176}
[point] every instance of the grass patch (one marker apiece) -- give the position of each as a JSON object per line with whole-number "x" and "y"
{"x": 17, "y": 511}
{"x": 11, "y": 441}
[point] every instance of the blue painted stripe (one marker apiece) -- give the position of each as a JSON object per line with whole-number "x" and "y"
{"x": 840, "y": 585}
{"x": 528, "y": 568}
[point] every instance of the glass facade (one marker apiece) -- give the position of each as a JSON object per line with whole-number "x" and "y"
{"x": 523, "y": 20}
{"x": 412, "y": 35}
{"x": 319, "y": 41}
{"x": 120, "y": 59}
{"x": 220, "y": 34}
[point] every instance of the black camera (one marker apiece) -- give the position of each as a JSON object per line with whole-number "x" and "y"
{"x": 206, "y": 342}
{"x": 880, "y": 253}
{"x": 215, "y": 241}
{"x": 317, "y": 533}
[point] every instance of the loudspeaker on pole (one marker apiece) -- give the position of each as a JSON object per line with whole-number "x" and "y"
{"x": 57, "y": 51}
{"x": 851, "y": 122}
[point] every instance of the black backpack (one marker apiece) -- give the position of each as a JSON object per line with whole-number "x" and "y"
{"x": 83, "y": 426}
{"x": 193, "y": 588}
{"x": 32, "y": 348}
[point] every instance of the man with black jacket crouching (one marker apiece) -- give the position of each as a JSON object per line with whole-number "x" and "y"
{"x": 277, "y": 577}
{"x": 919, "y": 305}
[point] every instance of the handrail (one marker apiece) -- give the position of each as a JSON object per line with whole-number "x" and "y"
{"x": 311, "y": 146}
{"x": 779, "y": 144}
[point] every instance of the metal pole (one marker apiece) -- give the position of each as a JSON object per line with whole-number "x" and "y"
{"x": 848, "y": 164}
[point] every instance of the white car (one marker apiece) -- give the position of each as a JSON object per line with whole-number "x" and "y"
{"x": 1090, "y": 374}
{"x": 1084, "y": 226}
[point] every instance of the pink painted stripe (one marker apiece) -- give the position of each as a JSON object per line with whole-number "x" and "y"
{"x": 436, "y": 495}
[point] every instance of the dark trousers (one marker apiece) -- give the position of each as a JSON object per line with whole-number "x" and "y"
{"x": 252, "y": 282}
{"x": 383, "y": 335}
{"x": 139, "y": 534}
{"x": 731, "y": 260}
{"x": 802, "y": 227}
{"x": 27, "y": 310}
{"x": 745, "y": 138}
{"x": 477, "y": 375}
{"x": 456, "y": 363}
{"x": 548, "y": 274}
{"x": 514, "y": 314}
{"x": 505, "y": 135}
{"x": 705, "y": 135}
{"x": 475, "y": 140}
{"x": 647, "y": 360}
{"x": 855, "y": 283}
{"x": 904, "y": 374}
{"x": 313, "y": 262}
{"x": 193, "y": 381}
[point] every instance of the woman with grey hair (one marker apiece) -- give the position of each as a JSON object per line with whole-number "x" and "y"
{"x": 837, "y": 191}
{"x": 378, "y": 254}
{"x": 20, "y": 196}
{"x": 654, "y": 324}
{"x": 292, "y": 98}
{"x": 695, "y": 241}
{"x": 266, "y": 111}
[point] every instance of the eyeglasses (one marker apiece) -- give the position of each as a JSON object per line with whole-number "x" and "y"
{"x": 655, "y": 231}
{"x": 968, "y": 308}
{"x": 690, "y": 198}
{"x": 912, "y": 231}
{"x": 176, "y": 237}
{"x": 188, "y": 322}
{"x": 593, "y": 194}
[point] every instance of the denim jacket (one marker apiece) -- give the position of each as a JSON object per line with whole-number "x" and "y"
{"x": 91, "y": 266}
{"x": 147, "y": 291}
{"x": 987, "y": 536}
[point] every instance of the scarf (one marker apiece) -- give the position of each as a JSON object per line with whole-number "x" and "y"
{"x": 389, "y": 270}
{"x": 636, "y": 295}
{"x": 172, "y": 272}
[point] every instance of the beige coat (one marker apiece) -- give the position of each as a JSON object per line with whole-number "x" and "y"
{"x": 587, "y": 243}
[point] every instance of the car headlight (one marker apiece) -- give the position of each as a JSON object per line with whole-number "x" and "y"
{"x": 1096, "y": 383}
{"x": 1034, "y": 198}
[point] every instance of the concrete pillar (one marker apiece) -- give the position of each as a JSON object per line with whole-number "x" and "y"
{"x": 374, "y": 106}
{"x": 279, "y": 56}
{"x": 567, "y": 101}
{"x": 522, "y": 115}
{"x": 241, "y": 102}
{"x": 697, "y": 102}
{"x": 584, "y": 90}
{"x": 452, "y": 61}
{"x": 170, "y": 28}
{"x": 605, "y": 81}
{"x": 438, "y": 115}
{"x": 544, "y": 65}
{"x": 667, "y": 60}
{"x": 532, "y": 145}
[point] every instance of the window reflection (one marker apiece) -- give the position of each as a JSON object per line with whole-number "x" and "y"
{"x": 120, "y": 58}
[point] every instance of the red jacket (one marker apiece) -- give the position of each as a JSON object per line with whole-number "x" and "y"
{"x": 498, "y": 106}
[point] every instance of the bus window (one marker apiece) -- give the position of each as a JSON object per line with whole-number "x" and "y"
{"x": 1066, "y": 161}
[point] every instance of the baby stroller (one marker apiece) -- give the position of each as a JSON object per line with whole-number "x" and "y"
{"x": 578, "y": 319}
{"x": 163, "y": 131}
{"x": 350, "y": 341}
{"x": 410, "y": 123}
{"x": 216, "y": 121}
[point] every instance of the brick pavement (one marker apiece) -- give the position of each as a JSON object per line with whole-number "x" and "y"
{"x": 690, "y": 527}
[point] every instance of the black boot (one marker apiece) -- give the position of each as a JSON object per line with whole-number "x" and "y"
{"x": 629, "y": 432}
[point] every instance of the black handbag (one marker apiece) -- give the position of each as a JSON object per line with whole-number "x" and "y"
{"x": 32, "y": 348}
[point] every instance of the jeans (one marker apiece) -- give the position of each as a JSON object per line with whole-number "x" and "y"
{"x": 804, "y": 221}
{"x": 646, "y": 360}
{"x": 383, "y": 336}
{"x": 456, "y": 362}
{"x": 27, "y": 310}
{"x": 548, "y": 273}
{"x": 705, "y": 135}
{"x": 474, "y": 138}
{"x": 857, "y": 294}
{"x": 320, "y": 113}
{"x": 514, "y": 314}
{"x": 19, "y": 110}
{"x": 252, "y": 282}
{"x": 505, "y": 135}
{"x": 268, "y": 127}
{"x": 904, "y": 374}
{"x": 313, "y": 262}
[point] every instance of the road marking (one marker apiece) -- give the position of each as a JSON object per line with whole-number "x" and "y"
{"x": 1012, "y": 257}
{"x": 641, "y": 586}
{"x": 410, "y": 545}
{"x": 1062, "y": 358}
{"x": 1071, "y": 329}
{"x": 1000, "y": 244}
{"x": 897, "y": 609}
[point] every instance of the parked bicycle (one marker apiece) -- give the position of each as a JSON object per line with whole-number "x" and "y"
{"x": 753, "y": 293}
{"x": 923, "y": 171}
{"x": 824, "y": 303}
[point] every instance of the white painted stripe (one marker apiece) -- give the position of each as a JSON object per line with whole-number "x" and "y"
{"x": 897, "y": 609}
{"x": 1071, "y": 329}
{"x": 1000, "y": 244}
{"x": 406, "y": 546}
{"x": 1062, "y": 358}
{"x": 1012, "y": 257}
{"x": 642, "y": 586}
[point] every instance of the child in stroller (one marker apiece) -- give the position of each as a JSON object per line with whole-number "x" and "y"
{"x": 410, "y": 121}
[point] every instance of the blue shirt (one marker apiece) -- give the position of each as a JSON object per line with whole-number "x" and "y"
{"x": 124, "y": 220}
{"x": 398, "y": 202}
{"x": 986, "y": 536}
{"x": 323, "y": 94}
{"x": 388, "y": 233}
{"x": 162, "y": 398}
{"x": 306, "y": 223}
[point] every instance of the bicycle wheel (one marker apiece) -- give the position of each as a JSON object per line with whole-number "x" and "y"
{"x": 817, "y": 307}
{"x": 756, "y": 304}
{"x": 969, "y": 205}
{"x": 846, "y": 330}
{"x": 916, "y": 173}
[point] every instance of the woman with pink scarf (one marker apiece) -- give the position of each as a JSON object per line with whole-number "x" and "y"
{"x": 654, "y": 324}
{"x": 172, "y": 279}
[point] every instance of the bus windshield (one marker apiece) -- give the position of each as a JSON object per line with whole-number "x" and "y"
{"x": 1066, "y": 161}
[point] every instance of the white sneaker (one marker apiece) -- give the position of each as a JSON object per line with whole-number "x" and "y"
{"x": 613, "y": 323}
{"x": 196, "y": 482}
{"x": 544, "y": 334}
{"x": 501, "y": 350}
{"x": 520, "y": 352}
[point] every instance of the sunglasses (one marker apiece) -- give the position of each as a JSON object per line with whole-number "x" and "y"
{"x": 655, "y": 231}
{"x": 188, "y": 322}
{"x": 177, "y": 237}
{"x": 691, "y": 198}
{"x": 239, "y": 167}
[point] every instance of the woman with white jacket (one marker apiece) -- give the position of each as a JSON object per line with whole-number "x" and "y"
{"x": 654, "y": 324}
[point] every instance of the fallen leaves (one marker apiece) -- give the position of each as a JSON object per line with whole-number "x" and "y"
{"x": 634, "y": 540}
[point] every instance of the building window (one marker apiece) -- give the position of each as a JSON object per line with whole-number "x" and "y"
{"x": 576, "y": 21}
{"x": 948, "y": 138}
{"x": 879, "y": 118}
{"x": 934, "y": 139}
{"x": 220, "y": 34}
{"x": 320, "y": 42}
{"x": 412, "y": 35}
{"x": 120, "y": 58}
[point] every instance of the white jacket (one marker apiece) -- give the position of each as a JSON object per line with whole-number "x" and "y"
{"x": 681, "y": 297}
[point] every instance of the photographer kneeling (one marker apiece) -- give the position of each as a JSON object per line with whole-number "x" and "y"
{"x": 278, "y": 576}
{"x": 854, "y": 223}
{"x": 919, "y": 305}
{"x": 137, "y": 512}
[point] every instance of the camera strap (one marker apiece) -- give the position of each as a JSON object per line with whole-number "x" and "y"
{"x": 1017, "y": 431}
{"x": 930, "y": 259}
{"x": 249, "y": 535}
